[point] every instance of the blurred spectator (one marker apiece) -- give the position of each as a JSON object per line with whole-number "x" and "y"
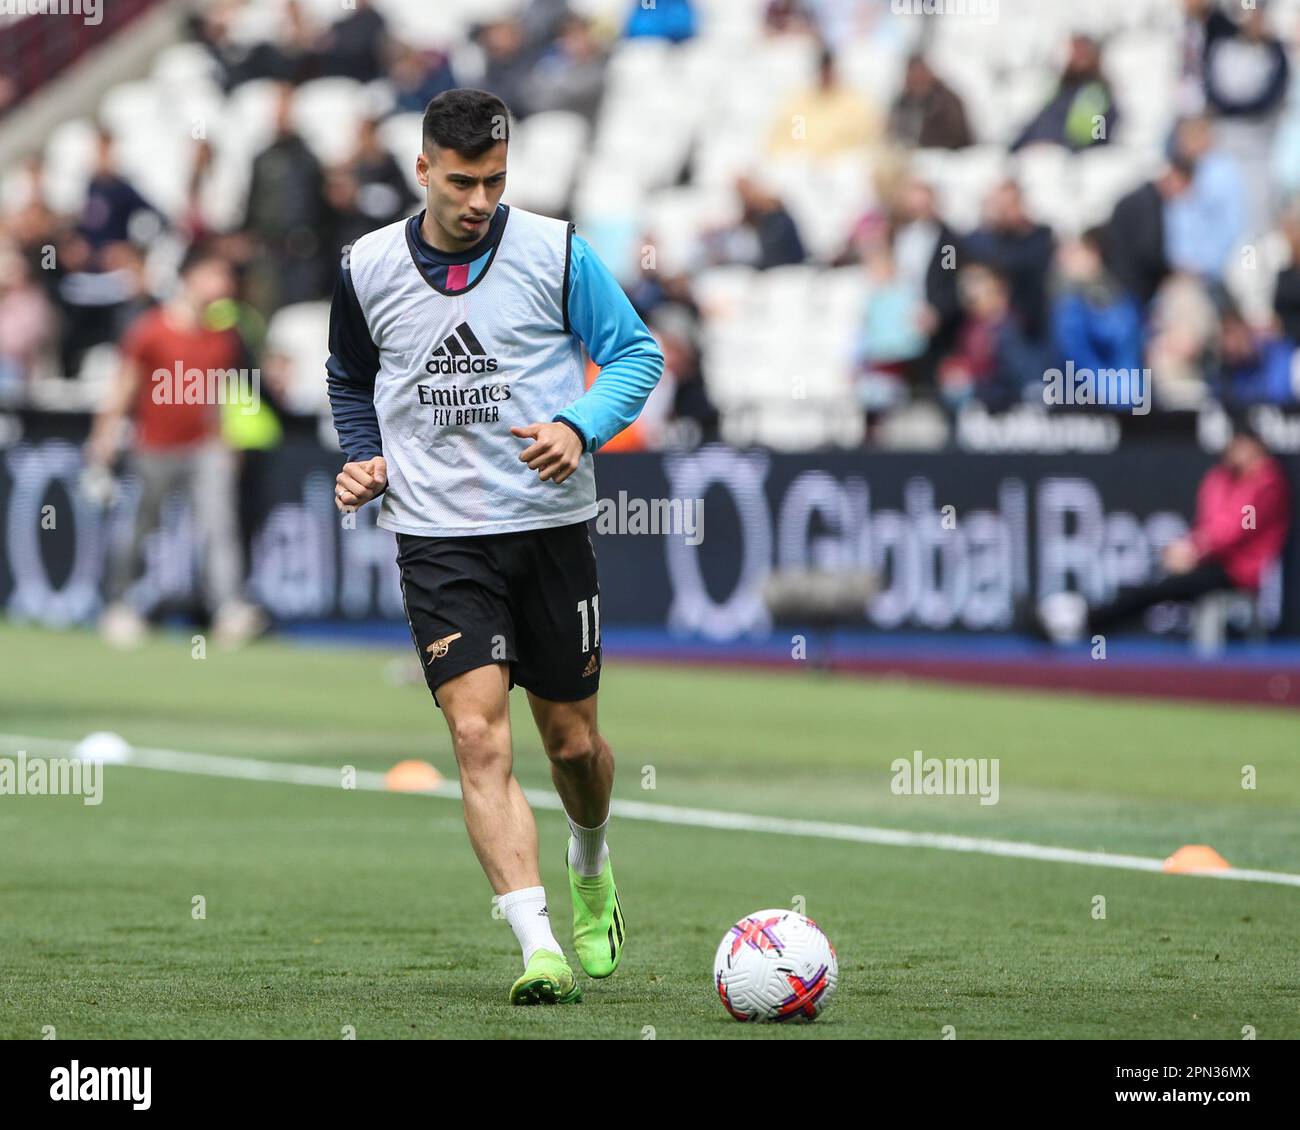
{"x": 788, "y": 17}
{"x": 893, "y": 333}
{"x": 681, "y": 412}
{"x": 177, "y": 444}
{"x": 418, "y": 77}
{"x": 1254, "y": 366}
{"x": 766, "y": 236}
{"x": 112, "y": 201}
{"x": 193, "y": 224}
{"x": 1246, "y": 69}
{"x": 343, "y": 196}
{"x": 571, "y": 75}
{"x": 1082, "y": 112}
{"x": 1019, "y": 250}
{"x": 832, "y": 21}
{"x": 1286, "y": 293}
{"x": 926, "y": 255}
{"x": 1133, "y": 240}
{"x": 26, "y": 323}
{"x": 993, "y": 361}
{"x": 1201, "y": 21}
{"x": 1204, "y": 225}
{"x": 286, "y": 215}
{"x": 97, "y": 295}
{"x": 1095, "y": 323}
{"x": 673, "y": 20}
{"x": 383, "y": 192}
{"x": 927, "y": 114}
{"x": 1183, "y": 322}
{"x": 35, "y": 227}
{"x": 1224, "y": 552}
{"x": 543, "y": 20}
{"x": 1246, "y": 78}
{"x": 825, "y": 120}
{"x": 654, "y": 290}
{"x": 695, "y": 418}
{"x": 367, "y": 192}
{"x": 210, "y": 26}
{"x": 355, "y": 46}
{"x": 509, "y": 64}
{"x": 291, "y": 55}
{"x": 889, "y": 175}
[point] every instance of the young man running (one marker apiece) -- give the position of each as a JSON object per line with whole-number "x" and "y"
{"x": 456, "y": 381}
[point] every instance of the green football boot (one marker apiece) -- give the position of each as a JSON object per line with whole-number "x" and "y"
{"x": 547, "y": 980}
{"x": 597, "y": 920}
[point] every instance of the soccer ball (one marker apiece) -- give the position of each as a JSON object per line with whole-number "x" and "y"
{"x": 775, "y": 965}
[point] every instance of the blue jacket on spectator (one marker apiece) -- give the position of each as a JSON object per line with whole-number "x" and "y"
{"x": 673, "y": 20}
{"x": 1095, "y": 336}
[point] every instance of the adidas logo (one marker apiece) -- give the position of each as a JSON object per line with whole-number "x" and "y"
{"x": 592, "y": 667}
{"x": 462, "y": 352}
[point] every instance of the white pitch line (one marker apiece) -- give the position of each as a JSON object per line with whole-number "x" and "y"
{"x": 240, "y": 768}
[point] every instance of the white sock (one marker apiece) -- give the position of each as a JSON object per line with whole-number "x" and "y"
{"x": 525, "y": 910}
{"x": 587, "y": 850}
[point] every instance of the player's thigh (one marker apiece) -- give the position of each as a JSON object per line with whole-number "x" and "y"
{"x": 555, "y": 599}
{"x": 457, "y": 605}
{"x": 568, "y": 729}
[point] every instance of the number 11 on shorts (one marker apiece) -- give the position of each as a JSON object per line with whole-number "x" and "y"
{"x": 588, "y": 624}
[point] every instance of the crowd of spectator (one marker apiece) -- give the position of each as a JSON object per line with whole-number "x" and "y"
{"x": 952, "y": 316}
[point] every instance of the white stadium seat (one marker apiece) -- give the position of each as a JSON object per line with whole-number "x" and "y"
{"x": 300, "y": 334}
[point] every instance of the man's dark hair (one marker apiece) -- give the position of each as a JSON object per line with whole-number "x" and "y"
{"x": 470, "y": 122}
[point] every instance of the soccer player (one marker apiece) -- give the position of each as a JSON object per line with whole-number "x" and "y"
{"x": 456, "y": 381}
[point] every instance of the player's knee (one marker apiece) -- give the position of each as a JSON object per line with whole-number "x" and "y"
{"x": 576, "y": 746}
{"x": 476, "y": 737}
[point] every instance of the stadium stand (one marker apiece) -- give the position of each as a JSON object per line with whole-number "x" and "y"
{"x": 738, "y": 163}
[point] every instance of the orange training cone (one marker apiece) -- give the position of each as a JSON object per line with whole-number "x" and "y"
{"x": 1196, "y": 857}
{"x": 412, "y": 776}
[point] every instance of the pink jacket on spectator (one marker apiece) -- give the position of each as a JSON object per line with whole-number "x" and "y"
{"x": 1243, "y": 541}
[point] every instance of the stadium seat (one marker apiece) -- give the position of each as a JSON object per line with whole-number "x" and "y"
{"x": 544, "y": 155}
{"x": 327, "y": 112}
{"x": 69, "y": 157}
{"x": 676, "y": 218}
{"x": 300, "y": 334}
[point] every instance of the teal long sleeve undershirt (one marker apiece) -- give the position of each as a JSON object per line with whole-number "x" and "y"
{"x": 630, "y": 360}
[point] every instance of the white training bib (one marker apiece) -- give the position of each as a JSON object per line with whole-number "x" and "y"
{"x": 458, "y": 371}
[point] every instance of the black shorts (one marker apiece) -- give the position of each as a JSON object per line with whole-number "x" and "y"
{"x": 528, "y": 599}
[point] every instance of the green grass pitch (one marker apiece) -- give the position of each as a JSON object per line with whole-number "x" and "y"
{"x": 332, "y": 909}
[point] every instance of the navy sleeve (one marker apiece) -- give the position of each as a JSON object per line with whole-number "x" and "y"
{"x": 350, "y": 375}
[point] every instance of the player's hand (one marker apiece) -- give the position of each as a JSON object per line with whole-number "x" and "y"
{"x": 358, "y": 483}
{"x": 555, "y": 452}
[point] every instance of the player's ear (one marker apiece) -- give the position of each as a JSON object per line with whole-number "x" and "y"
{"x": 422, "y": 168}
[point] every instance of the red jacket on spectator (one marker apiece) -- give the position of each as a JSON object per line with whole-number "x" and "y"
{"x": 1243, "y": 541}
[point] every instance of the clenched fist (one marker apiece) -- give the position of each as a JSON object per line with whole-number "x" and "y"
{"x": 556, "y": 452}
{"x": 358, "y": 483}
